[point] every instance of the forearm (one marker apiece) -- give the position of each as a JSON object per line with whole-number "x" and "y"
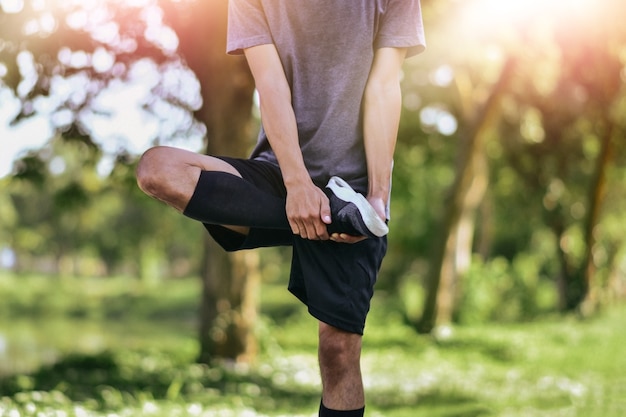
{"x": 280, "y": 126}
{"x": 279, "y": 120}
{"x": 381, "y": 117}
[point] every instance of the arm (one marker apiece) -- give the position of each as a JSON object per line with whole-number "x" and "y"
{"x": 307, "y": 206}
{"x": 382, "y": 105}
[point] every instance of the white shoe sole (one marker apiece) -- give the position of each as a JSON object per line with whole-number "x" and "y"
{"x": 371, "y": 219}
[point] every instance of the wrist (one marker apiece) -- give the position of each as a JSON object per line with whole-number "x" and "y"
{"x": 378, "y": 192}
{"x": 297, "y": 179}
{"x": 293, "y": 171}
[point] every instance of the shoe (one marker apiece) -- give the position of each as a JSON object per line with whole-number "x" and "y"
{"x": 351, "y": 213}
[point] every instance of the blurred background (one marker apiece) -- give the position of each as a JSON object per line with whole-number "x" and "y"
{"x": 504, "y": 285}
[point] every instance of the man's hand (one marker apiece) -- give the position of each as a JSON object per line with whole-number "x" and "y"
{"x": 308, "y": 211}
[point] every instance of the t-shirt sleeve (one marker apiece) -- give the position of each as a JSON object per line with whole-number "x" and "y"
{"x": 401, "y": 26}
{"x": 247, "y": 26}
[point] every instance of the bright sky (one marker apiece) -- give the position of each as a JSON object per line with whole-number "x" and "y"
{"x": 14, "y": 140}
{"x": 127, "y": 126}
{"x": 119, "y": 121}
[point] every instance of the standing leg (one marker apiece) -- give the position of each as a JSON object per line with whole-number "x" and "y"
{"x": 342, "y": 385}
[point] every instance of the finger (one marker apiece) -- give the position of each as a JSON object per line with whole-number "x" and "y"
{"x": 300, "y": 228}
{"x": 321, "y": 231}
{"x": 344, "y": 238}
{"x": 295, "y": 229}
{"x": 311, "y": 231}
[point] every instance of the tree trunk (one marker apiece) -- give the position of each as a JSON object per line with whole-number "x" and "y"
{"x": 228, "y": 311}
{"x": 228, "y": 308}
{"x": 597, "y": 195}
{"x": 568, "y": 284}
{"x": 461, "y": 201}
{"x": 458, "y": 256}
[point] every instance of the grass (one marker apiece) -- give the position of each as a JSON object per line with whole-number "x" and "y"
{"x": 559, "y": 366}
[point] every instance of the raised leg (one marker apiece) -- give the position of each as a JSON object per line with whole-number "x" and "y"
{"x": 171, "y": 174}
{"x": 209, "y": 190}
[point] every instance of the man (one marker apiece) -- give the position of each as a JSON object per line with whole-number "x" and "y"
{"x": 328, "y": 77}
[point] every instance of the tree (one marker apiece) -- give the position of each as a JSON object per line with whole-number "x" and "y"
{"x": 472, "y": 93}
{"x": 229, "y": 304}
{"x": 92, "y": 48}
{"x": 572, "y": 79}
{"x": 465, "y": 196}
{"x": 571, "y": 118}
{"x": 73, "y": 222}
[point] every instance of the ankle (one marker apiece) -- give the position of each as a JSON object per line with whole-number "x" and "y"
{"x": 326, "y": 412}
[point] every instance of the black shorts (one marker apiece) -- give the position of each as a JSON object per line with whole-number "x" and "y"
{"x": 335, "y": 280}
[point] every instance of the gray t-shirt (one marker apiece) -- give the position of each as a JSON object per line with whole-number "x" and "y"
{"x": 326, "y": 48}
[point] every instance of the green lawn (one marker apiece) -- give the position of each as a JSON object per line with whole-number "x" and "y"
{"x": 559, "y": 366}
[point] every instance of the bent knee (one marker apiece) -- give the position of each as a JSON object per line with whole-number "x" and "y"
{"x": 168, "y": 174}
{"x": 150, "y": 170}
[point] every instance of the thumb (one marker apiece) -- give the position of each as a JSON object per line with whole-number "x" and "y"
{"x": 325, "y": 212}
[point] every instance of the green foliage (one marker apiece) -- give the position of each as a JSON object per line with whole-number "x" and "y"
{"x": 85, "y": 224}
{"x": 96, "y": 298}
{"x": 564, "y": 101}
{"x": 503, "y": 291}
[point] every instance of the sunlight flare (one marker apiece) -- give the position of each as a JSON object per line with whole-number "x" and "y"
{"x": 12, "y": 6}
{"x": 494, "y": 16}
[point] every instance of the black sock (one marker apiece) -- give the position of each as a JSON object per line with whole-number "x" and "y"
{"x": 325, "y": 412}
{"x": 226, "y": 199}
